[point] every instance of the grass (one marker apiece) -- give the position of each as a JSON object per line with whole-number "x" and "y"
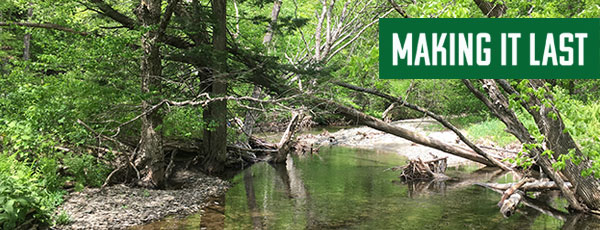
{"x": 459, "y": 122}
{"x": 478, "y": 128}
{"x": 491, "y": 129}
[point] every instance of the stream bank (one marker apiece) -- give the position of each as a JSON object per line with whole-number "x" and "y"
{"x": 120, "y": 206}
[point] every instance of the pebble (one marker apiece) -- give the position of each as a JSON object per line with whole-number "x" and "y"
{"x": 120, "y": 207}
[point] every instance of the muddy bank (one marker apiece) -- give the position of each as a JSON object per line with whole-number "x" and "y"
{"x": 120, "y": 207}
{"x": 368, "y": 138}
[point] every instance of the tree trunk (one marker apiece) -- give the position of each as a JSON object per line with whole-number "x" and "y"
{"x": 404, "y": 133}
{"x": 215, "y": 138}
{"x": 556, "y": 140}
{"x": 528, "y": 186}
{"x": 438, "y": 118}
{"x": 250, "y": 119}
{"x": 491, "y": 9}
{"x": 272, "y": 26}
{"x": 27, "y": 38}
{"x": 386, "y": 114}
{"x": 561, "y": 142}
{"x": 151, "y": 157}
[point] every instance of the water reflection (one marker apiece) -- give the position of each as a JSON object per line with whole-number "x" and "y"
{"x": 350, "y": 189}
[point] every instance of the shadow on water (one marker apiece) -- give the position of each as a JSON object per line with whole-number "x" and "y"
{"x": 345, "y": 188}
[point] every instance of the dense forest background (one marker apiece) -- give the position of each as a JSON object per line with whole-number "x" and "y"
{"x": 84, "y": 81}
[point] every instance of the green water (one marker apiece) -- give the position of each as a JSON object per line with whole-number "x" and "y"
{"x": 343, "y": 188}
{"x": 348, "y": 189}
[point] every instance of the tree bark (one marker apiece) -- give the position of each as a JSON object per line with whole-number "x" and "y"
{"x": 285, "y": 144}
{"x": 27, "y": 38}
{"x": 553, "y": 131}
{"x": 250, "y": 119}
{"x": 273, "y": 25}
{"x": 215, "y": 138}
{"x": 560, "y": 142}
{"x": 151, "y": 156}
{"x": 386, "y": 113}
{"x": 528, "y": 186}
{"x": 491, "y": 9}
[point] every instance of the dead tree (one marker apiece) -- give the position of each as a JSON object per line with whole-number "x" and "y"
{"x": 556, "y": 139}
{"x": 286, "y": 143}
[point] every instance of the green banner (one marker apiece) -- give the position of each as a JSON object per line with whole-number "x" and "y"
{"x": 489, "y": 48}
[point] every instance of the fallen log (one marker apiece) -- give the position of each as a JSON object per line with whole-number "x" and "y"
{"x": 509, "y": 206}
{"x": 529, "y": 186}
{"x": 496, "y": 162}
{"x": 512, "y": 189}
{"x": 533, "y": 203}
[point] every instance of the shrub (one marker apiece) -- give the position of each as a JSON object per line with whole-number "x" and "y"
{"x": 22, "y": 194}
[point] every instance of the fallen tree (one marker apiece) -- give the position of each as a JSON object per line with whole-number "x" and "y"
{"x": 528, "y": 186}
{"x": 517, "y": 196}
{"x": 436, "y": 117}
{"x": 556, "y": 141}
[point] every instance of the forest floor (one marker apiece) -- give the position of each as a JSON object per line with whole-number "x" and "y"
{"x": 119, "y": 206}
{"x": 368, "y": 138}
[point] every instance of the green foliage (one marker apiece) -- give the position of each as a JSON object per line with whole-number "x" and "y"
{"x": 62, "y": 219}
{"x": 583, "y": 124}
{"x": 184, "y": 122}
{"x": 22, "y": 195}
{"x": 85, "y": 169}
{"x": 441, "y": 96}
{"x": 491, "y": 129}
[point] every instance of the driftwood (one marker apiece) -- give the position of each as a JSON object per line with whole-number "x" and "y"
{"x": 511, "y": 190}
{"x": 418, "y": 170}
{"x": 529, "y": 186}
{"x": 509, "y": 206}
{"x": 513, "y": 193}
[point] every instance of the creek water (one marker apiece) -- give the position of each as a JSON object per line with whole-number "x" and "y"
{"x": 345, "y": 188}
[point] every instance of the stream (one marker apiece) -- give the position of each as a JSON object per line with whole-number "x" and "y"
{"x": 346, "y": 188}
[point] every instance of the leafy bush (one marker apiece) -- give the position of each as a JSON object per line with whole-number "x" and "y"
{"x": 441, "y": 96}
{"x": 582, "y": 122}
{"x": 22, "y": 194}
{"x": 85, "y": 169}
